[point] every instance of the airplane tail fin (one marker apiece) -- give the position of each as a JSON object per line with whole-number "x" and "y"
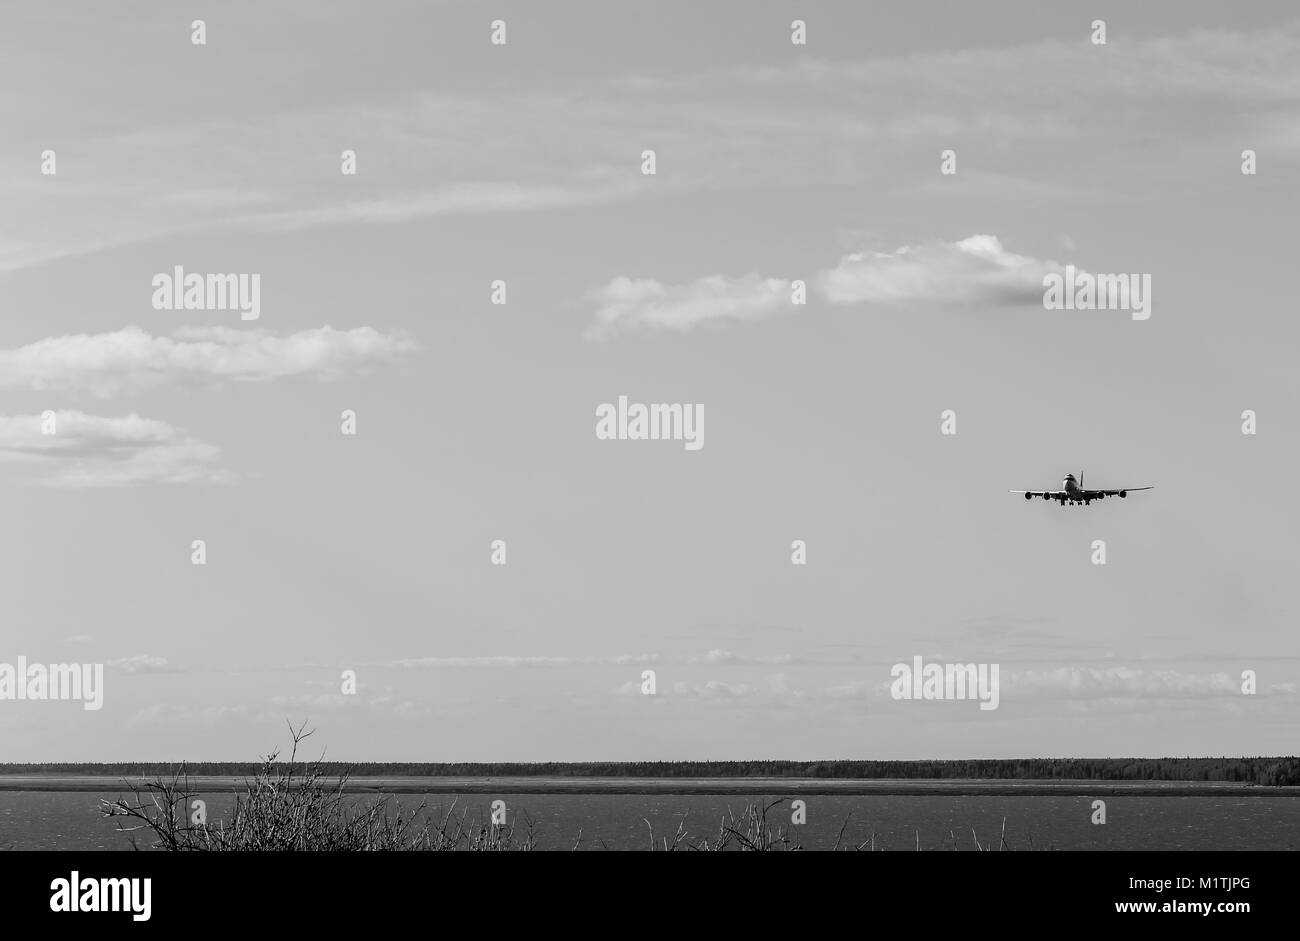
{"x": 1080, "y": 480}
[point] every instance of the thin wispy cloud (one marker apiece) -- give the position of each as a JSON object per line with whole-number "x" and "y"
{"x": 456, "y": 199}
{"x": 178, "y": 714}
{"x": 755, "y": 128}
{"x": 271, "y": 714}
{"x": 132, "y": 360}
{"x": 1202, "y": 66}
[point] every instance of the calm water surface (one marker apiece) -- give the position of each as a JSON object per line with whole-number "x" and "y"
{"x": 31, "y": 820}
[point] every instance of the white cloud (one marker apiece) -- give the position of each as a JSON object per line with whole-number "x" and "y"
{"x": 93, "y": 451}
{"x": 711, "y": 658}
{"x": 626, "y": 303}
{"x": 726, "y": 657}
{"x": 131, "y": 360}
{"x": 714, "y": 689}
{"x": 142, "y": 663}
{"x": 323, "y": 702}
{"x": 1119, "y": 682}
{"x": 769, "y": 690}
{"x": 974, "y": 270}
{"x": 977, "y": 270}
{"x": 527, "y": 661}
{"x": 859, "y": 690}
{"x": 1087, "y": 683}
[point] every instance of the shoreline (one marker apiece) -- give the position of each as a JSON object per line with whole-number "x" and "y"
{"x": 578, "y": 786}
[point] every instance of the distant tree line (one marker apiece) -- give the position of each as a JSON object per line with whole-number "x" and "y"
{"x": 1265, "y": 771}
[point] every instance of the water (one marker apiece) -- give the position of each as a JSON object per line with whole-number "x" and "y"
{"x": 31, "y": 820}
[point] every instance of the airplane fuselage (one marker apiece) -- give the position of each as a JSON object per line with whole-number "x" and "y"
{"x": 1077, "y": 494}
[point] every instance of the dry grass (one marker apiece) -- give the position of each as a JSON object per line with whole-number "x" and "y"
{"x": 751, "y": 831}
{"x": 296, "y": 806}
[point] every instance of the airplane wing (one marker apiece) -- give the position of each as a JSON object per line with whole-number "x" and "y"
{"x": 1054, "y": 494}
{"x": 1118, "y": 491}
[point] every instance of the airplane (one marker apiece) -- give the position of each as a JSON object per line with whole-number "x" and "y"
{"x": 1073, "y": 492}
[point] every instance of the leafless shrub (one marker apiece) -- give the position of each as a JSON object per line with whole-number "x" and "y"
{"x": 297, "y": 806}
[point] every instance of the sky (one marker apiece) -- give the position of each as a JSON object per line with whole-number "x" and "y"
{"x": 775, "y": 163}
